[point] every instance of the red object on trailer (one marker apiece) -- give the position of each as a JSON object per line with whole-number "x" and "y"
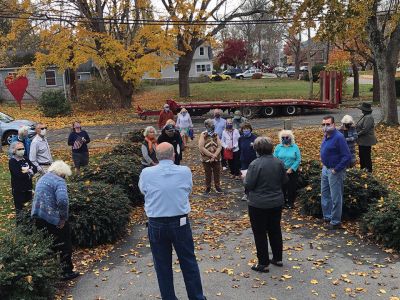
{"x": 330, "y": 97}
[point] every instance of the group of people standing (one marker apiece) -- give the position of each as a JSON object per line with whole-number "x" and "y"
{"x": 50, "y": 202}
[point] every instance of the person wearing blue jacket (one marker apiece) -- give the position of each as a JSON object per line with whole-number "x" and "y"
{"x": 246, "y": 141}
{"x": 289, "y": 153}
{"x": 23, "y": 138}
{"x": 335, "y": 157}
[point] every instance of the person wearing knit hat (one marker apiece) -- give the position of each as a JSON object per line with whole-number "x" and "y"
{"x": 366, "y": 136}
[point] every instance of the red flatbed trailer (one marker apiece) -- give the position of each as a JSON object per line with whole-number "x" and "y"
{"x": 331, "y": 96}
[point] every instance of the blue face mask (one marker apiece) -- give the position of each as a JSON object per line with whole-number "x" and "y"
{"x": 286, "y": 140}
{"x": 246, "y": 132}
{"x": 229, "y": 126}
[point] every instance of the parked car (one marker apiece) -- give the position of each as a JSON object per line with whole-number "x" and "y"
{"x": 9, "y": 127}
{"x": 219, "y": 77}
{"x": 248, "y": 73}
{"x": 232, "y": 72}
{"x": 304, "y": 69}
{"x": 290, "y": 71}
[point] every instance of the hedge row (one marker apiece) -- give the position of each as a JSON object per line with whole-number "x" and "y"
{"x": 365, "y": 198}
{"x": 101, "y": 200}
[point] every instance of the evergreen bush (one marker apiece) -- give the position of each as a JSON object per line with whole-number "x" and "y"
{"x": 53, "y": 103}
{"x": 361, "y": 190}
{"x": 28, "y": 268}
{"x": 99, "y": 213}
{"x": 382, "y": 221}
{"x": 135, "y": 136}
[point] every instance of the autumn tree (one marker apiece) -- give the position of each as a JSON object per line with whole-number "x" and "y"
{"x": 234, "y": 53}
{"x": 294, "y": 49}
{"x": 114, "y": 34}
{"x": 189, "y": 21}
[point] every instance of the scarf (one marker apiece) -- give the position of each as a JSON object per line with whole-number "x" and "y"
{"x": 150, "y": 143}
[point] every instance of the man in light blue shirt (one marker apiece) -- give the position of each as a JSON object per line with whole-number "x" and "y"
{"x": 166, "y": 188}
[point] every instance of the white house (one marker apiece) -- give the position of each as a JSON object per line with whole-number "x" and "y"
{"x": 201, "y": 65}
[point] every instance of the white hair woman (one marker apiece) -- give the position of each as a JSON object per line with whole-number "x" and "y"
{"x": 22, "y": 171}
{"x": 230, "y": 144}
{"x": 23, "y": 137}
{"x": 289, "y": 153}
{"x": 50, "y": 212}
{"x": 348, "y": 129}
{"x": 184, "y": 124}
{"x": 149, "y": 146}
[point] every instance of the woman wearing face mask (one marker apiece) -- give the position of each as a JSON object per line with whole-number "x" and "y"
{"x": 289, "y": 153}
{"x": 170, "y": 135}
{"x": 230, "y": 144}
{"x": 349, "y": 131}
{"x": 184, "y": 124}
{"x": 247, "y": 152}
{"x": 23, "y": 138}
{"x": 79, "y": 139}
{"x": 366, "y": 136}
{"x": 210, "y": 150}
{"x": 22, "y": 171}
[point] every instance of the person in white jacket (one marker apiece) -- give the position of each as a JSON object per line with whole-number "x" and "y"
{"x": 230, "y": 143}
{"x": 184, "y": 124}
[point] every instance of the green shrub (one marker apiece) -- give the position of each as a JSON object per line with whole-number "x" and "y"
{"x": 53, "y": 104}
{"x": 99, "y": 213}
{"x": 135, "y": 136}
{"x": 361, "y": 190}
{"x": 123, "y": 170}
{"x": 127, "y": 148}
{"x": 315, "y": 71}
{"x": 28, "y": 269}
{"x": 97, "y": 95}
{"x": 382, "y": 221}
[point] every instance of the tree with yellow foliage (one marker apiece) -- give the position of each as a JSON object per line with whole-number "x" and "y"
{"x": 189, "y": 23}
{"x": 111, "y": 33}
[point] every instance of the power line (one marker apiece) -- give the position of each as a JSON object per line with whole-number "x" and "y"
{"x": 81, "y": 19}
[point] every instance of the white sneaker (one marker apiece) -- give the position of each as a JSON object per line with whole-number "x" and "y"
{"x": 224, "y": 168}
{"x": 244, "y": 198}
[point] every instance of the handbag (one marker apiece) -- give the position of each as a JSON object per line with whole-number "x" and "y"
{"x": 191, "y": 133}
{"x": 228, "y": 154}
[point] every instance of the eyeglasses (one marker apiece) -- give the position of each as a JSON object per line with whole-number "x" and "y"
{"x": 326, "y": 124}
{"x": 20, "y": 149}
{"x": 43, "y": 128}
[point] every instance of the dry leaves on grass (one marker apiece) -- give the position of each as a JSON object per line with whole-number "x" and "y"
{"x": 91, "y": 118}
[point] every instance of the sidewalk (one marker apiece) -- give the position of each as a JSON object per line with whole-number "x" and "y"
{"x": 318, "y": 264}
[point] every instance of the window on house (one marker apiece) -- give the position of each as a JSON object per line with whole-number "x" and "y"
{"x": 12, "y": 74}
{"x": 176, "y": 68}
{"x": 50, "y": 76}
{"x": 79, "y": 77}
{"x": 203, "y": 68}
{"x": 201, "y": 50}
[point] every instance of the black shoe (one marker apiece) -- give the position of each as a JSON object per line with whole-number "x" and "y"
{"x": 334, "y": 227}
{"x": 276, "y": 263}
{"x": 219, "y": 190}
{"x": 207, "y": 191}
{"x": 69, "y": 276}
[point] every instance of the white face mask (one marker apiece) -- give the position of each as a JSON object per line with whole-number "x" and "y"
{"x": 20, "y": 153}
{"x": 43, "y": 132}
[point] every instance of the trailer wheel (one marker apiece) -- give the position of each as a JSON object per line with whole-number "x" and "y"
{"x": 249, "y": 112}
{"x": 290, "y": 110}
{"x": 269, "y": 111}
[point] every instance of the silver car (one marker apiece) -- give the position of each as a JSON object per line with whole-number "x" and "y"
{"x": 9, "y": 127}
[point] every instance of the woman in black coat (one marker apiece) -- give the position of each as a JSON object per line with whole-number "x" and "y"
{"x": 170, "y": 135}
{"x": 22, "y": 171}
{"x": 265, "y": 200}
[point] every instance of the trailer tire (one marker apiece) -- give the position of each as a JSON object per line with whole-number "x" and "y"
{"x": 290, "y": 110}
{"x": 269, "y": 111}
{"x": 249, "y": 112}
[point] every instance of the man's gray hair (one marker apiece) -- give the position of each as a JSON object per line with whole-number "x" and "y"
{"x": 60, "y": 168}
{"x": 147, "y": 130}
{"x": 22, "y": 130}
{"x": 263, "y": 145}
{"x": 166, "y": 153}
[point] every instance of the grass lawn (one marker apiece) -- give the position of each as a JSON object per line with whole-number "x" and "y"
{"x": 151, "y": 97}
{"x": 6, "y": 203}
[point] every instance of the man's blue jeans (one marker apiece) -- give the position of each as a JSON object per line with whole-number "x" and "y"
{"x": 332, "y": 195}
{"x": 163, "y": 233}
